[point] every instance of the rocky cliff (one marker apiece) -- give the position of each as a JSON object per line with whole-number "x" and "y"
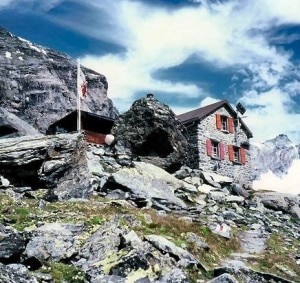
{"x": 38, "y": 84}
{"x": 275, "y": 155}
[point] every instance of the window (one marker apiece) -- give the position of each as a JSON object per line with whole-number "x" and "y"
{"x": 237, "y": 154}
{"x": 215, "y": 149}
{"x": 225, "y": 123}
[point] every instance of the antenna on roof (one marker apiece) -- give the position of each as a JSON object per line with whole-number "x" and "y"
{"x": 240, "y": 108}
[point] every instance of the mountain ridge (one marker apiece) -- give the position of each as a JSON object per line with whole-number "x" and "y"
{"x": 275, "y": 155}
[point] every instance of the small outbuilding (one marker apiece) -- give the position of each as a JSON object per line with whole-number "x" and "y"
{"x": 96, "y": 127}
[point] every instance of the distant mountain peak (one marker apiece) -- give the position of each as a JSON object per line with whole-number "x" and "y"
{"x": 275, "y": 155}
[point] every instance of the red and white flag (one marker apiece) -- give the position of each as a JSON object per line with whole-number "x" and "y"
{"x": 82, "y": 84}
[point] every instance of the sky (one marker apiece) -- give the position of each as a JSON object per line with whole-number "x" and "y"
{"x": 188, "y": 53}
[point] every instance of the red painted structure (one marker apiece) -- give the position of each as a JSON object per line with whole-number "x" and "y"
{"x": 96, "y": 127}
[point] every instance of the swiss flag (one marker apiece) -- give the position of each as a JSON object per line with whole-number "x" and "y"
{"x": 83, "y": 84}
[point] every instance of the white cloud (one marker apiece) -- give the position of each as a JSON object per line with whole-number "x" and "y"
{"x": 27, "y": 5}
{"x": 5, "y": 3}
{"x": 268, "y": 114}
{"x": 289, "y": 183}
{"x": 223, "y": 34}
{"x": 220, "y": 34}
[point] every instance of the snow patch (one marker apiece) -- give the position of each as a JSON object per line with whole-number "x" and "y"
{"x": 258, "y": 144}
{"x": 8, "y": 54}
{"x": 21, "y": 58}
{"x": 34, "y": 47}
{"x": 289, "y": 183}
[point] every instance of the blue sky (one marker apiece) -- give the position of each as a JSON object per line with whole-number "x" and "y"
{"x": 189, "y": 53}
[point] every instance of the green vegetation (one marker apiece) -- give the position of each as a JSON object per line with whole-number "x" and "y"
{"x": 27, "y": 213}
{"x": 176, "y": 229}
{"x": 279, "y": 257}
{"x": 61, "y": 272}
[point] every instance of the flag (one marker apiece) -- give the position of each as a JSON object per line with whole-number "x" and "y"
{"x": 82, "y": 84}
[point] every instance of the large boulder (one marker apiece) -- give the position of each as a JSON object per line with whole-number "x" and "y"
{"x": 283, "y": 202}
{"x": 146, "y": 185}
{"x": 12, "y": 244}
{"x": 149, "y": 131}
{"x": 56, "y": 162}
{"x": 12, "y": 126}
{"x": 55, "y": 241}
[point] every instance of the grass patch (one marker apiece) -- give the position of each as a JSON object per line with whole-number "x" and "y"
{"x": 61, "y": 272}
{"x": 279, "y": 257}
{"x": 175, "y": 229}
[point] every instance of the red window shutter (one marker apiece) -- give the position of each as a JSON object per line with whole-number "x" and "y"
{"x": 208, "y": 147}
{"x": 218, "y": 122}
{"x": 230, "y": 125}
{"x": 222, "y": 151}
{"x": 243, "y": 155}
{"x": 231, "y": 153}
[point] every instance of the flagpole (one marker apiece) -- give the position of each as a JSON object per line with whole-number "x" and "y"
{"x": 78, "y": 97}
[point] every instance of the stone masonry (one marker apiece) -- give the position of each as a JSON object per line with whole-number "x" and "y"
{"x": 200, "y": 131}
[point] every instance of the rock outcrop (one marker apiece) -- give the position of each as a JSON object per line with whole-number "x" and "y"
{"x": 38, "y": 84}
{"x": 54, "y": 162}
{"x": 149, "y": 131}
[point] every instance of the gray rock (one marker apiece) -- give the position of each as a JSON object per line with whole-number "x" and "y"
{"x": 217, "y": 196}
{"x": 278, "y": 201}
{"x": 57, "y": 162}
{"x": 295, "y": 211}
{"x": 223, "y": 278}
{"x": 147, "y": 182}
{"x": 208, "y": 179}
{"x": 176, "y": 275}
{"x": 105, "y": 241}
{"x": 237, "y": 189}
{"x": 183, "y": 257}
{"x": 55, "y": 241}
{"x": 194, "y": 238}
{"x": 12, "y": 243}
{"x": 222, "y": 230}
{"x": 13, "y": 273}
{"x": 103, "y": 278}
{"x": 151, "y": 132}
{"x": 15, "y": 126}
{"x": 184, "y": 172}
{"x": 238, "y": 199}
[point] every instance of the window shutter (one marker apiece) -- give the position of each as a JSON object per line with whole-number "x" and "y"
{"x": 230, "y": 125}
{"x": 218, "y": 122}
{"x": 222, "y": 151}
{"x": 231, "y": 153}
{"x": 243, "y": 155}
{"x": 208, "y": 147}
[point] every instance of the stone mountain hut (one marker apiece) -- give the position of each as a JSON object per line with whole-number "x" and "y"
{"x": 219, "y": 141}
